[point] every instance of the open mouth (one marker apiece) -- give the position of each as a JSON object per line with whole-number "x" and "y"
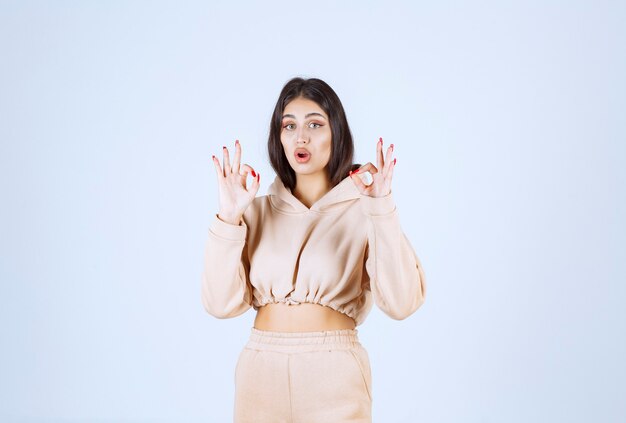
{"x": 302, "y": 156}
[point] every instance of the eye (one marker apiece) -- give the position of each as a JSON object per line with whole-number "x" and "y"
{"x": 287, "y": 126}
{"x": 315, "y": 127}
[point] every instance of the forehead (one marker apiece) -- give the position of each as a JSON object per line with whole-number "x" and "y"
{"x": 300, "y": 107}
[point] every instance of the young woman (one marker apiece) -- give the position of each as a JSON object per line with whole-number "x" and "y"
{"x": 311, "y": 257}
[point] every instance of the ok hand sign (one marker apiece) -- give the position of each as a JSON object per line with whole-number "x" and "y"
{"x": 235, "y": 196}
{"x": 381, "y": 181}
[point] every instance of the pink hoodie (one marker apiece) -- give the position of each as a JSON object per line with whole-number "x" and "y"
{"x": 344, "y": 250}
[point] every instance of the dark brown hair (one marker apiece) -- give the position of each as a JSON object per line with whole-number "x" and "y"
{"x": 342, "y": 146}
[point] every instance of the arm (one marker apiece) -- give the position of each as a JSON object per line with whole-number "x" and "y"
{"x": 397, "y": 280}
{"x": 226, "y": 289}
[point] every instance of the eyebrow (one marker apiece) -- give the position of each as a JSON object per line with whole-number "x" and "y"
{"x": 306, "y": 116}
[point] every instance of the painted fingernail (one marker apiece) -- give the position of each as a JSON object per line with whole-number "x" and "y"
{"x": 253, "y": 174}
{"x": 380, "y": 140}
{"x": 213, "y": 157}
{"x": 258, "y": 177}
{"x": 391, "y": 147}
{"x": 224, "y": 147}
{"x": 236, "y": 142}
{"x": 394, "y": 162}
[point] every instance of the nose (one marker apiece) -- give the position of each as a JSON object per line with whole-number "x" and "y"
{"x": 303, "y": 135}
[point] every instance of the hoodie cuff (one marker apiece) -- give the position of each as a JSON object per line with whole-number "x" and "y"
{"x": 227, "y": 230}
{"x": 378, "y": 206}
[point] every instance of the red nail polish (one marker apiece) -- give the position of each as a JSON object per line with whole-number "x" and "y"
{"x": 213, "y": 157}
{"x": 224, "y": 147}
{"x": 380, "y": 140}
{"x": 394, "y": 162}
{"x": 253, "y": 174}
{"x": 391, "y": 147}
{"x": 258, "y": 177}
{"x": 236, "y": 141}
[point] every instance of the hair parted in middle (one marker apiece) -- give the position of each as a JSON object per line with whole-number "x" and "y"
{"x": 342, "y": 146}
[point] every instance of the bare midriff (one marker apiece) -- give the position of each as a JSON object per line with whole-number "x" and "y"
{"x": 305, "y": 317}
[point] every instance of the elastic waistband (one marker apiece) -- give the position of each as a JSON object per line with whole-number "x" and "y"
{"x": 302, "y": 341}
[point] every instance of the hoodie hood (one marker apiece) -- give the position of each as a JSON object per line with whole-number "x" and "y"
{"x": 335, "y": 199}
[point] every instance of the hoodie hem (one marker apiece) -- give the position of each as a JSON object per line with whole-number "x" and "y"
{"x": 265, "y": 300}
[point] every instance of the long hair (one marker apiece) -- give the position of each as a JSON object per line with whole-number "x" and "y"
{"x": 342, "y": 146}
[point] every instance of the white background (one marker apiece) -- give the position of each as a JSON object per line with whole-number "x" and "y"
{"x": 508, "y": 122}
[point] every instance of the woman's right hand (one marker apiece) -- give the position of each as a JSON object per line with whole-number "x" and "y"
{"x": 235, "y": 197}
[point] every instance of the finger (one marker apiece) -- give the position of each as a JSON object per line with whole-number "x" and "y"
{"x": 388, "y": 160}
{"x": 256, "y": 180}
{"x": 244, "y": 170}
{"x": 218, "y": 168}
{"x": 367, "y": 167}
{"x": 226, "y": 161}
{"x": 379, "y": 153}
{"x": 237, "y": 160}
{"x": 256, "y": 183}
{"x": 359, "y": 183}
{"x": 392, "y": 166}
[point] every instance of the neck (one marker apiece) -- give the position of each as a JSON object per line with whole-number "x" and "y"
{"x": 310, "y": 188}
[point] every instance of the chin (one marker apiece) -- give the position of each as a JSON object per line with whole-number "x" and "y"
{"x": 309, "y": 171}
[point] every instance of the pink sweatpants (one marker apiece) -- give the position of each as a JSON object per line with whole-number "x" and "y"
{"x": 303, "y": 377}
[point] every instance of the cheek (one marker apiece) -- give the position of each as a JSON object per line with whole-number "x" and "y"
{"x": 328, "y": 142}
{"x": 324, "y": 139}
{"x": 286, "y": 137}
{"x": 286, "y": 152}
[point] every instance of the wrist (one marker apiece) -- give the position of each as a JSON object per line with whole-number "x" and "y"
{"x": 233, "y": 220}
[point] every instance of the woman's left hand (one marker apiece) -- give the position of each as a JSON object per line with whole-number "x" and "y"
{"x": 381, "y": 181}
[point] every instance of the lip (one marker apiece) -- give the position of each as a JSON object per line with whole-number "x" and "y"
{"x": 302, "y": 159}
